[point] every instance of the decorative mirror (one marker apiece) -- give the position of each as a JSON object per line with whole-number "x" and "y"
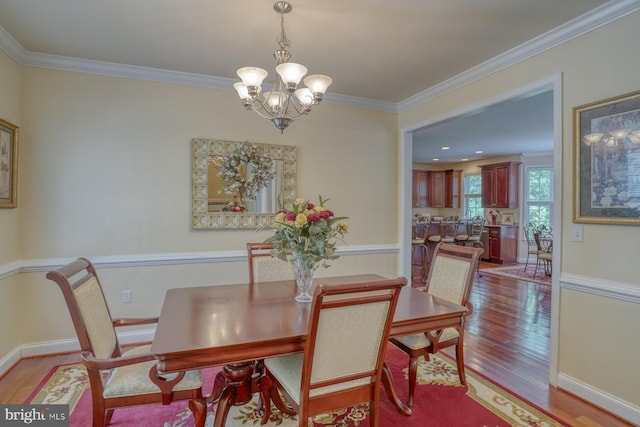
{"x": 217, "y": 204}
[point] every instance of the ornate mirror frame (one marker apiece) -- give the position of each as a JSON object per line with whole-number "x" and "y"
{"x": 201, "y": 151}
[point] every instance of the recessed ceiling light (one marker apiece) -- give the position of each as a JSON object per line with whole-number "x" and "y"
{"x": 435, "y": 160}
{"x": 464, "y": 160}
{"x": 479, "y": 151}
{"x": 446, "y": 148}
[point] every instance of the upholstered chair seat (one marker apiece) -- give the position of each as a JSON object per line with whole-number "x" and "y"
{"x": 132, "y": 380}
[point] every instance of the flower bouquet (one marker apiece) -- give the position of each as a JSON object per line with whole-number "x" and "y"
{"x": 494, "y": 215}
{"x": 305, "y": 234}
{"x": 233, "y": 207}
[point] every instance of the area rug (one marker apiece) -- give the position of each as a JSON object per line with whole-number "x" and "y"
{"x": 519, "y": 272}
{"x": 440, "y": 401}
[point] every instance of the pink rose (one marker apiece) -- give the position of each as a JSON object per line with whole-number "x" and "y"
{"x": 291, "y": 216}
{"x": 325, "y": 214}
{"x": 313, "y": 217}
{"x": 310, "y": 206}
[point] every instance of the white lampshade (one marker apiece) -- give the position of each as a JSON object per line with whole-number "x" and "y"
{"x": 305, "y": 96}
{"x": 592, "y": 138}
{"x": 272, "y": 98}
{"x": 619, "y": 133}
{"x": 252, "y": 76}
{"x": 291, "y": 72}
{"x": 242, "y": 90}
{"x": 318, "y": 83}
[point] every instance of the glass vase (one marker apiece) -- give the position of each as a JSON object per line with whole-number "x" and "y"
{"x": 304, "y": 279}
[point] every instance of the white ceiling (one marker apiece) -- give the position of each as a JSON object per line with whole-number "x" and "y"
{"x": 377, "y": 52}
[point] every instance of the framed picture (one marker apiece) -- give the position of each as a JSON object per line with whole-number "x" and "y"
{"x": 607, "y": 161}
{"x": 8, "y": 165}
{"x": 507, "y": 219}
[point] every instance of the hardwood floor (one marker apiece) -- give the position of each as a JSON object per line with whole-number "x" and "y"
{"x": 507, "y": 340}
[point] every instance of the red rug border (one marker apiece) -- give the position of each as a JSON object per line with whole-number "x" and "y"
{"x": 509, "y": 391}
{"x": 44, "y": 380}
{"x": 489, "y": 272}
{"x": 52, "y": 371}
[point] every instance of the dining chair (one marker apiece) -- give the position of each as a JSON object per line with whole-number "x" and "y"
{"x": 344, "y": 352}
{"x": 530, "y": 230}
{"x": 544, "y": 243}
{"x": 263, "y": 267}
{"x": 116, "y": 378}
{"x": 450, "y": 278}
{"x": 473, "y": 236}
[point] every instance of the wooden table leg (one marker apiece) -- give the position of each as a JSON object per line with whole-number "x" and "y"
{"x": 233, "y": 386}
{"x": 390, "y": 388}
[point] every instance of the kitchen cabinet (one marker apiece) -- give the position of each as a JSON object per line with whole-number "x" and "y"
{"x": 444, "y": 188}
{"x": 500, "y": 244}
{"x": 420, "y": 184}
{"x": 500, "y": 185}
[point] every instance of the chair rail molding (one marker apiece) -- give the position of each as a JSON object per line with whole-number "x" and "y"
{"x": 178, "y": 258}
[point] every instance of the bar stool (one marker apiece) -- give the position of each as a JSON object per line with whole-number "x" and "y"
{"x": 419, "y": 249}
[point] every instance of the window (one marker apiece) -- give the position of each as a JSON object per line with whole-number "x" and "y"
{"x": 472, "y": 196}
{"x": 539, "y": 195}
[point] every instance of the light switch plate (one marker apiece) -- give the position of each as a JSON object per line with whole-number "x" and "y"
{"x": 577, "y": 233}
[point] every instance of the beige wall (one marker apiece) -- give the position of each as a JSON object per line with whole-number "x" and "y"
{"x": 106, "y": 172}
{"x": 596, "y": 346}
{"x": 10, "y": 218}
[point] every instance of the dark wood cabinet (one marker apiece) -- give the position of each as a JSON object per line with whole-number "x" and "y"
{"x": 420, "y": 184}
{"x": 500, "y": 185}
{"x": 500, "y": 244}
{"x": 444, "y": 188}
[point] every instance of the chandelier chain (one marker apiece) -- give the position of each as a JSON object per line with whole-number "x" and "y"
{"x": 283, "y": 40}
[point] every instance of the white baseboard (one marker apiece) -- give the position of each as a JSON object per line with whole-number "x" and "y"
{"x": 600, "y": 398}
{"x": 64, "y": 346}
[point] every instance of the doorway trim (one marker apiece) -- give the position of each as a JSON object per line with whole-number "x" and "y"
{"x": 553, "y": 83}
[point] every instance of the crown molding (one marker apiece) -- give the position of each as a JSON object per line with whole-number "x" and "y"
{"x": 598, "y": 17}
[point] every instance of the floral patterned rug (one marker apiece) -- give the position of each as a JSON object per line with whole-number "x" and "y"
{"x": 440, "y": 401}
{"x": 519, "y": 272}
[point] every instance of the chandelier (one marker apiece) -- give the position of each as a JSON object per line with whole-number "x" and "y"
{"x": 286, "y": 101}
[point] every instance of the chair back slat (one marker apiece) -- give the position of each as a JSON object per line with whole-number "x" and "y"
{"x": 96, "y": 318}
{"x": 263, "y": 267}
{"x": 348, "y": 330}
{"x": 451, "y": 272}
{"x": 88, "y": 308}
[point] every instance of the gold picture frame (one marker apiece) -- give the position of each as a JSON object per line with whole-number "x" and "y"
{"x": 8, "y": 165}
{"x": 607, "y": 161}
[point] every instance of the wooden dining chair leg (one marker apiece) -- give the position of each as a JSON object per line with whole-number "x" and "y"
{"x": 373, "y": 413}
{"x": 413, "y": 377}
{"x": 460, "y": 362}
{"x": 199, "y": 410}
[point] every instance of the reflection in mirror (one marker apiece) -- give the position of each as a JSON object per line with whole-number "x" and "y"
{"x": 211, "y": 208}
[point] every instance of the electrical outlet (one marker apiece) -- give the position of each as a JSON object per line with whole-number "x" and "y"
{"x": 127, "y": 296}
{"x": 577, "y": 233}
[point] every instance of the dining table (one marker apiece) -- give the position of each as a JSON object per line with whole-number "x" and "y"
{"x": 233, "y": 326}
